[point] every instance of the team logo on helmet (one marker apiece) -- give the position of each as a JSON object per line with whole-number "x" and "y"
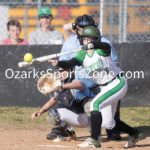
{"x": 88, "y": 31}
{"x": 44, "y": 10}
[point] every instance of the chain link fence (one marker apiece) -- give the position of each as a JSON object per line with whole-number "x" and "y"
{"x": 119, "y": 20}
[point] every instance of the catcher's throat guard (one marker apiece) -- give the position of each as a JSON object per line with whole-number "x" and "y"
{"x": 48, "y": 83}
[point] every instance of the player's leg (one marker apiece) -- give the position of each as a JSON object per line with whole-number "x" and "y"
{"x": 95, "y": 122}
{"x": 135, "y": 134}
{"x": 114, "y": 134}
{"x": 73, "y": 119}
{"x": 109, "y": 94}
{"x": 58, "y": 128}
{"x": 111, "y": 134}
{"x": 108, "y": 120}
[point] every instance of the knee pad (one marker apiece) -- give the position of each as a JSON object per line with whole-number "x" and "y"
{"x": 84, "y": 121}
{"x": 87, "y": 108}
{"x": 53, "y": 118}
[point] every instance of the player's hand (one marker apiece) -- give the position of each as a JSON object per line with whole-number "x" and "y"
{"x": 35, "y": 114}
{"x": 88, "y": 46}
{"x": 54, "y": 62}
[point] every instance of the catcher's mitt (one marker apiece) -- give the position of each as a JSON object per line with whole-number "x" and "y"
{"x": 47, "y": 84}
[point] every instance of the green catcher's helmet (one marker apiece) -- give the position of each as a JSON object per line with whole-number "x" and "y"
{"x": 91, "y": 31}
{"x": 44, "y": 11}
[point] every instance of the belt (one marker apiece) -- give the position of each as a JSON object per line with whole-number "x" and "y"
{"x": 117, "y": 76}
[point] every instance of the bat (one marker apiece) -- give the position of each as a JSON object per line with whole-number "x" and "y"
{"x": 44, "y": 58}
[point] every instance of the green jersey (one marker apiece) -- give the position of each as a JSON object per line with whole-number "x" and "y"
{"x": 98, "y": 65}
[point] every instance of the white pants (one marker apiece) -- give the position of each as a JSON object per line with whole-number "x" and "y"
{"x": 82, "y": 120}
{"x": 107, "y": 107}
{"x": 106, "y": 101}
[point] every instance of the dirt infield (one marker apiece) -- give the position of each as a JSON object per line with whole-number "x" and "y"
{"x": 27, "y": 139}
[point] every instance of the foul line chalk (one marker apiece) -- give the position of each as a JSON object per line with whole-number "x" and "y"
{"x": 54, "y": 145}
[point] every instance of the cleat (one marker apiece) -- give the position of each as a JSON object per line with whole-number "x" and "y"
{"x": 90, "y": 143}
{"x": 60, "y": 138}
{"x": 64, "y": 138}
{"x": 134, "y": 139}
{"x": 61, "y": 134}
{"x": 51, "y": 136}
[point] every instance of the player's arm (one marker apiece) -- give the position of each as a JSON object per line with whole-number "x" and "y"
{"x": 66, "y": 64}
{"x": 75, "y": 61}
{"x": 106, "y": 48}
{"x": 73, "y": 85}
{"x": 45, "y": 107}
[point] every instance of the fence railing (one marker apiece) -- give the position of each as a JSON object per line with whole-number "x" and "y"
{"x": 123, "y": 20}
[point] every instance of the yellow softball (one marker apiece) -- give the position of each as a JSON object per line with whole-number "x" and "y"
{"x": 28, "y": 57}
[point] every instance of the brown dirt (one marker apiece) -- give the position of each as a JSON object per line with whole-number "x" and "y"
{"x": 27, "y": 139}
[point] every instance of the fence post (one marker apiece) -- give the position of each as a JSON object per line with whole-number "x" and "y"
{"x": 124, "y": 20}
{"x": 38, "y": 7}
{"x": 111, "y": 18}
{"x": 120, "y": 20}
{"x": 26, "y": 19}
{"x": 101, "y": 15}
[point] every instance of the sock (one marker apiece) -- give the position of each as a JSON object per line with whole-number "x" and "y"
{"x": 123, "y": 127}
{"x": 96, "y": 121}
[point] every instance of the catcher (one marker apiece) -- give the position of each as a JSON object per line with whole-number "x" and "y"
{"x": 67, "y": 99}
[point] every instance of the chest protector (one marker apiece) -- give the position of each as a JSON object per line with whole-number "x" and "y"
{"x": 66, "y": 97}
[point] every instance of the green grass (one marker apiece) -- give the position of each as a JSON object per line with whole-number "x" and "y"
{"x": 20, "y": 117}
{"x": 136, "y": 116}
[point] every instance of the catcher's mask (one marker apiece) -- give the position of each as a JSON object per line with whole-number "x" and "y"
{"x": 81, "y": 22}
{"x": 63, "y": 74}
